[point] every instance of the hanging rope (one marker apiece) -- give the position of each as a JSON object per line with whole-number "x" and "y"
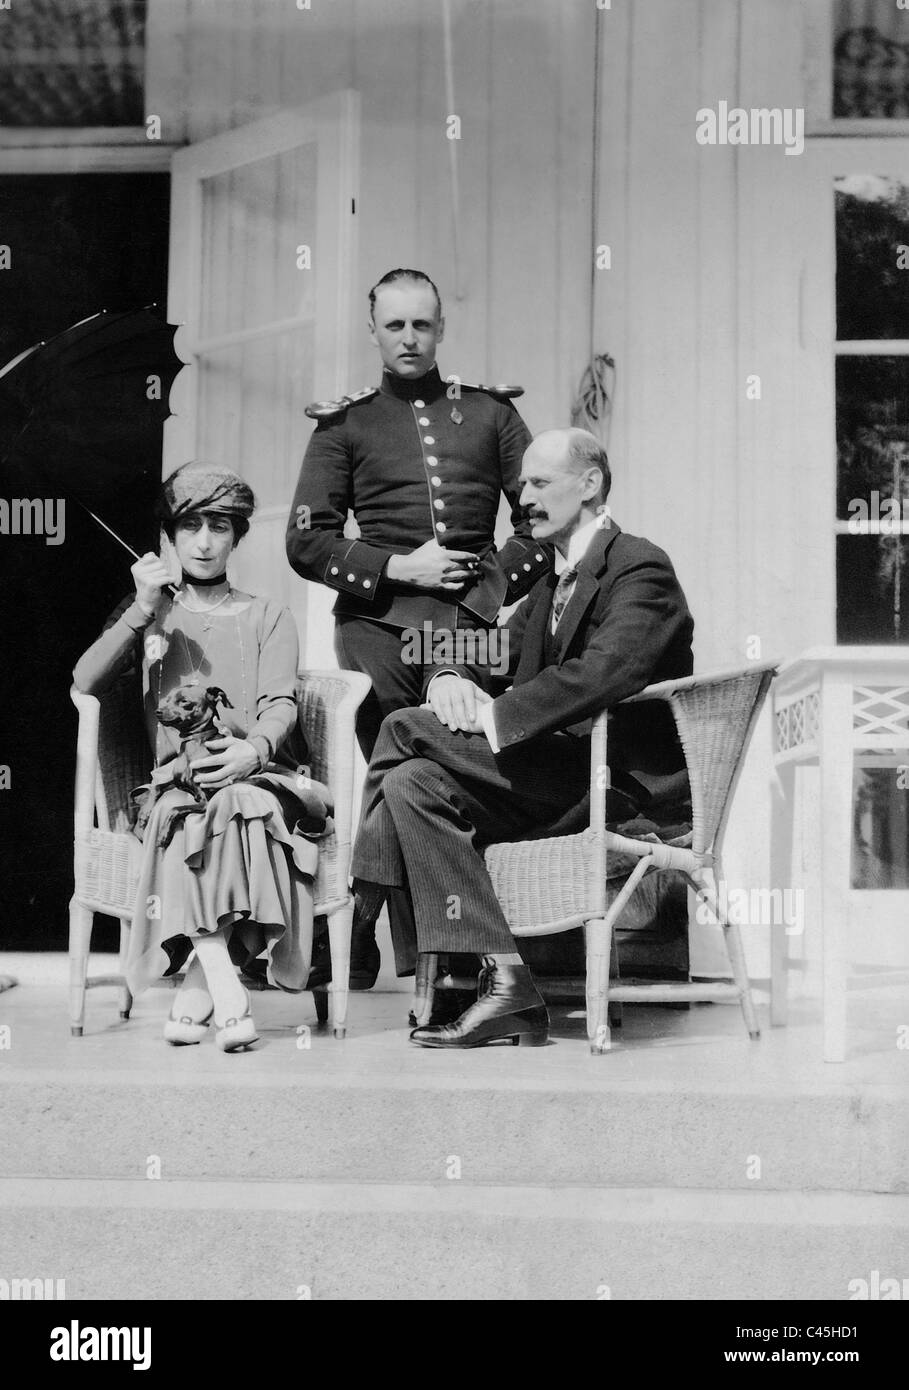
{"x": 452, "y": 149}
{"x": 592, "y": 408}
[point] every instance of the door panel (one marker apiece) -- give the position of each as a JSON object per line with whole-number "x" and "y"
{"x": 264, "y": 334}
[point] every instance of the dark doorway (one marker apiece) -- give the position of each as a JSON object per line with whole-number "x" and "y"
{"x": 78, "y": 244}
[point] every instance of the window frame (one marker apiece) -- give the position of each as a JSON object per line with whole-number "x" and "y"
{"x": 818, "y": 70}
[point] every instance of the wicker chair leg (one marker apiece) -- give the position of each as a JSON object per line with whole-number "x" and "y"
{"x": 597, "y": 934}
{"x": 340, "y": 925}
{"x": 705, "y": 883}
{"x": 740, "y": 975}
{"x": 80, "y": 939}
{"x": 126, "y": 998}
{"x": 616, "y": 1017}
{"x": 424, "y": 987}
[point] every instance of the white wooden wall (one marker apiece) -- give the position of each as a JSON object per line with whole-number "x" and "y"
{"x": 523, "y": 78}
{"x": 712, "y": 261}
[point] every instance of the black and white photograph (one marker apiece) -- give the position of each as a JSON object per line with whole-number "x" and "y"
{"x": 454, "y": 739}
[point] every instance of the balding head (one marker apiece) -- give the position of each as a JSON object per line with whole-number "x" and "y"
{"x": 566, "y": 480}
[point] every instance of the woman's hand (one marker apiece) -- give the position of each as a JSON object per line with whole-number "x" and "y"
{"x": 230, "y": 760}
{"x": 150, "y": 576}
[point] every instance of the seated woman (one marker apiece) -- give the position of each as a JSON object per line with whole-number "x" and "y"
{"x": 227, "y": 870}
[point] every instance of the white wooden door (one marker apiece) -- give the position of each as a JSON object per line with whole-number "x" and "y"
{"x": 261, "y": 268}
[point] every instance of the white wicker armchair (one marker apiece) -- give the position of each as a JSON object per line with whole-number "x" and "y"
{"x": 112, "y": 757}
{"x": 554, "y": 885}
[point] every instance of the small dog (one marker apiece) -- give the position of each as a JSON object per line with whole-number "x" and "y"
{"x": 192, "y": 711}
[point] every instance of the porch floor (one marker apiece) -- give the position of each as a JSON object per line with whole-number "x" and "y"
{"x": 689, "y": 1162}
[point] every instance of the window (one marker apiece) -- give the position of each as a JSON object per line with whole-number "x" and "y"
{"x": 72, "y": 65}
{"x": 872, "y": 407}
{"x": 870, "y": 61}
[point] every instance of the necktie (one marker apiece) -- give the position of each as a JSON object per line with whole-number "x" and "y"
{"x": 563, "y": 592}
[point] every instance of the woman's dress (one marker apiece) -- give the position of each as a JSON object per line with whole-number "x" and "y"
{"x": 247, "y": 862}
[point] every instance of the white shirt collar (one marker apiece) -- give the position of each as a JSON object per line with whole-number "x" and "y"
{"x": 577, "y": 546}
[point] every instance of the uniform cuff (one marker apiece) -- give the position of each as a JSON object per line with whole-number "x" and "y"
{"x": 522, "y": 568}
{"x": 356, "y": 568}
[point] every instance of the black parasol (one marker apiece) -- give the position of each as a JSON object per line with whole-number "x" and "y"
{"x": 82, "y": 414}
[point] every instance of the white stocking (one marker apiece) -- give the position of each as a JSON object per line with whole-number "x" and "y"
{"x": 193, "y": 1000}
{"x": 229, "y": 997}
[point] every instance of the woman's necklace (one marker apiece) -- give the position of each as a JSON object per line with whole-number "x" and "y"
{"x": 195, "y": 672}
{"x": 206, "y": 607}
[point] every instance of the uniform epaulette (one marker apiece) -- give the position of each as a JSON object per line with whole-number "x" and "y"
{"x": 500, "y": 391}
{"x": 324, "y": 410}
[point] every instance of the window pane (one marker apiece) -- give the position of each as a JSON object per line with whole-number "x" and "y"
{"x": 872, "y": 589}
{"x": 65, "y": 64}
{"x": 870, "y": 60}
{"x": 880, "y": 829}
{"x": 872, "y": 225}
{"x": 872, "y": 431}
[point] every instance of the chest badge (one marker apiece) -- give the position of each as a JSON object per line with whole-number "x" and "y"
{"x": 456, "y": 415}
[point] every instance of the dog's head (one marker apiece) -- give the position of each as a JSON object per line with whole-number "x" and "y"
{"x": 190, "y": 709}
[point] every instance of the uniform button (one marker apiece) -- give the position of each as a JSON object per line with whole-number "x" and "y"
{"x": 424, "y": 420}
{"x": 527, "y": 567}
{"x": 440, "y": 526}
{"x": 514, "y": 576}
{"x": 436, "y": 482}
{"x": 351, "y": 578}
{"x": 432, "y": 460}
{"x": 538, "y": 557}
{"x": 420, "y": 405}
{"x": 367, "y": 583}
{"x": 334, "y": 569}
{"x": 438, "y": 504}
{"x": 428, "y": 439}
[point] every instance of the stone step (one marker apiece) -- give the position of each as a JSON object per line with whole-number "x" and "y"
{"x": 308, "y": 1128}
{"x": 446, "y": 1240}
{"x": 684, "y": 1101}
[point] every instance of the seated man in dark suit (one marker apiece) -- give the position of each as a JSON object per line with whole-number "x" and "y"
{"x": 476, "y": 768}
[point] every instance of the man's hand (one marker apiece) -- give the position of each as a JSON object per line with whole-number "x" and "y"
{"x": 431, "y": 566}
{"x": 231, "y": 760}
{"x": 455, "y": 702}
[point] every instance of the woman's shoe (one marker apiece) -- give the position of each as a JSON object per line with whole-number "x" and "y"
{"x": 237, "y": 1033}
{"x": 182, "y": 1032}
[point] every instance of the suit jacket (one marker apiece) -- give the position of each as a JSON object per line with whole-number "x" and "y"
{"x": 626, "y": 626}
{"x": 413, "y": 462}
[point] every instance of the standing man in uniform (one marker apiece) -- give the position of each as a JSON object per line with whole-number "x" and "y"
{"x": 422, "y": 464}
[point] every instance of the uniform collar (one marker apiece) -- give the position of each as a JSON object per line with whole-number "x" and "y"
{"x": 577, "y": 546}
{"x": 421, "y": 388}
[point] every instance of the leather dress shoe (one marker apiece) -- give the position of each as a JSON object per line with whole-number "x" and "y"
{"x": 447, "y": 1006}
{"x": 364, "y": 953}
{"x": 509, "y": 1007}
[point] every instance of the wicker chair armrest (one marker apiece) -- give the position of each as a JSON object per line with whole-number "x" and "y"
{"x": 664, "y": 690}
{"x": 89, "y": 709}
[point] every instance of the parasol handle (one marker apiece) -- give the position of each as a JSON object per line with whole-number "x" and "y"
{"x": 172, "y": 588}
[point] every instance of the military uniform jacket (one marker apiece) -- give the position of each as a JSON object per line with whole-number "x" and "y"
{"x": 412, "y": 462}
